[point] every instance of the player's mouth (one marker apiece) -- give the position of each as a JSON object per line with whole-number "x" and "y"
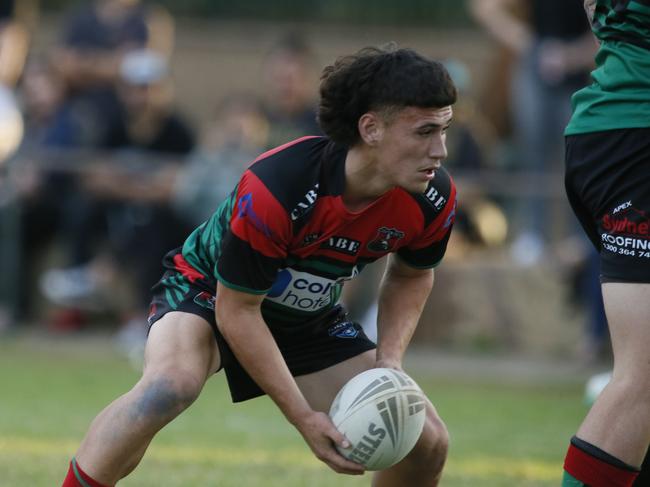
{"x": 428, "y": 173}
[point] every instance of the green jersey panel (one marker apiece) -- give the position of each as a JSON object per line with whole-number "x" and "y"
{"x": 619, "y": 96}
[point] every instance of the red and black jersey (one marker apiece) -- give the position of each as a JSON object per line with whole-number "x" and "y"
{"x": 285, "y": 232}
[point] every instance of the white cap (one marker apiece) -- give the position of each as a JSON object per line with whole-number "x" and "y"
{"x": 143, "y": 67}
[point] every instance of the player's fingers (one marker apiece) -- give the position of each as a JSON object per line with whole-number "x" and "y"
{"x": 345, "y": 465}
{"x": 339, "y": 438}
{"x": 341, "y": 464}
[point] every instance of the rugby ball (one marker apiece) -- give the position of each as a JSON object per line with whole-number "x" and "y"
{"x": 381, "y": 412}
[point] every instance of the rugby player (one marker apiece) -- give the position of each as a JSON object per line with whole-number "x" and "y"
{"x": 608, "y": 185}
{"x": 254, "y": 290}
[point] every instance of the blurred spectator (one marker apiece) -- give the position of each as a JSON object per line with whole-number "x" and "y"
{"x": 48, "y": 122}
{"x": 40, "y": 197}
{"x": 128, "y": 194}
{"x": 554, "y": 48}
{"x": 11, "y": 129}
{"x": 235, "y": 136}
{"x": 148, "y": 120}
{"x": 15, "y": 24}
{"x": 471, "y": 141}
{"x": 69, "y": 103}
{"x": 290, "y": 90}
{"x": 95, "y": 38}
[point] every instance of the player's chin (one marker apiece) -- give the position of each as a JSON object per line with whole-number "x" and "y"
{"x": 416, "y": 186}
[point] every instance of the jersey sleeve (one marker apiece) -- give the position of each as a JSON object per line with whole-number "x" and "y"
{"x": 255, "y": 242}
{"x": 427, "y": 250}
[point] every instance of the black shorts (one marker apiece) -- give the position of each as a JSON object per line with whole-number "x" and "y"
{"x": 311, "y": 347}
{"x": 608, "y": 184}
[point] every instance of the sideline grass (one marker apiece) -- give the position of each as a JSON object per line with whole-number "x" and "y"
{"x": 501, "y": 435}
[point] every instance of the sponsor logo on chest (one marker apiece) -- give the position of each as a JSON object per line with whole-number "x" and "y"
{"x": 342, "y": 244}
{"x": 304, "y": 291}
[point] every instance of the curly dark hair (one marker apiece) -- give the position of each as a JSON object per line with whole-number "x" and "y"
{"x": 378, "y": 79}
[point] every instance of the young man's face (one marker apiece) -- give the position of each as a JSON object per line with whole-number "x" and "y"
{"x": 411, "y": 146}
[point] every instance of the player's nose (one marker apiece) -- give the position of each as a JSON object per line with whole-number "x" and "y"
{"x": 437, "y": 149}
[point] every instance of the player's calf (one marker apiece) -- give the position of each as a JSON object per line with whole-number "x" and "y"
{"x": 588, "y": 464}
{"x": 119, "y": 436}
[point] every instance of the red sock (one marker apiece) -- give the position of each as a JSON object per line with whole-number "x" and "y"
{"x": 78, "y": 478}
{"x": 596, "y": 468}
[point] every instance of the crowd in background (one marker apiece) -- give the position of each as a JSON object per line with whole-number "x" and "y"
{"x": 109, "y": 175}
{"x": 110, "y": 171}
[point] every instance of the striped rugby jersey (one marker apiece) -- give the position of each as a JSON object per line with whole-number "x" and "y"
{"x": 285, "y": 232}
{"x": 619, "y": 96}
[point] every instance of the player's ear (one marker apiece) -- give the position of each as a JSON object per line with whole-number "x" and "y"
{"x": 370, "y": 128}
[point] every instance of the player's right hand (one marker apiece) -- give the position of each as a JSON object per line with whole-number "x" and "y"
{"x": 321, "y": 435}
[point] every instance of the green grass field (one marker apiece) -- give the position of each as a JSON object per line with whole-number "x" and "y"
{"x": 502, "y": 435}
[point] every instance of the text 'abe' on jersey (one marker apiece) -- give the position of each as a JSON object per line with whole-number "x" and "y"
{"x": 289, "y": 234}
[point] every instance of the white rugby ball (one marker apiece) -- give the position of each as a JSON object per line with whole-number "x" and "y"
{"x": 381, "y": 412}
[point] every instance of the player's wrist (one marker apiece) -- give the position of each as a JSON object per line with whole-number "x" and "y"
{"x": 389, "y": 362}
{"x": 299, "y": 415}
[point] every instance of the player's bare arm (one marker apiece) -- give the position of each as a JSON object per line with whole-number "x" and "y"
{"x": 498, "y": 18}
{"x": 403, "y": 293}
{"x": 240, "y": 321}
{"x": 590, "y": 9}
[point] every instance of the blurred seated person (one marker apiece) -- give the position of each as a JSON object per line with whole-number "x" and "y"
{"x": 148, "y": 119}
{"x": 230, "y": 142}
{"x": 11, "y": 132}
{"x": 129, "y": 192}
{"x": 95, "y": 38}
{"x": 49, "y": 122}
{"x": 290, "y": 90}
{"x": 480, "y": 220}
{"x": 554, "y": 49}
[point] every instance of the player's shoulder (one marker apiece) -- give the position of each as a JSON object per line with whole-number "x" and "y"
{"x": 291, "y": 172}
{"x": 289, "y": 161}
{"x": 301, "y": 147}
{"x": 440, "y": 193}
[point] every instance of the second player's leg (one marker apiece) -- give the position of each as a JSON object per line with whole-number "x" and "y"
{"x": 619, "y": 422}
{"x": 180, "y": 355}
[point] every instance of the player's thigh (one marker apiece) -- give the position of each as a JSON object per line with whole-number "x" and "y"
{"x": 628, "y": 314}
{"x": 182, "y": 341}
{"x": 320, "y": 388}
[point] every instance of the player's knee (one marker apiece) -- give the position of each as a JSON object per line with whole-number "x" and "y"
{"x": 166, "y": 394}
{"x": 430, "y": 451}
